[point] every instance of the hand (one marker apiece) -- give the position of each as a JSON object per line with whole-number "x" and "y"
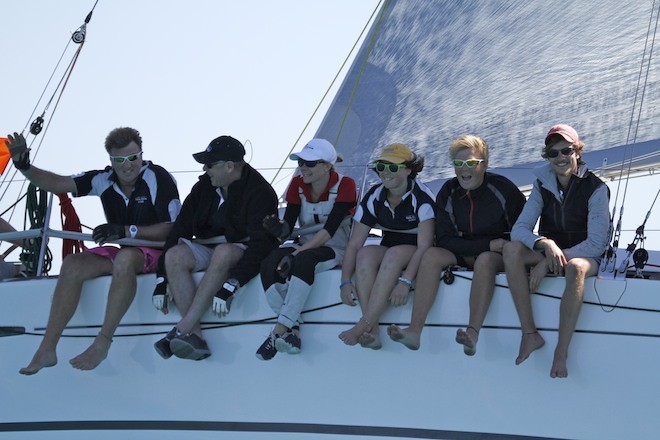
{"x": 348, "y": 294}
{"x": 19, "y": 151}
{"x": 554, "y": 257}
{"x": 399, "y": 295}
{"x": 159, "y": 297}
{"x": 497, "y": 245}
{"x": 276, "y": 227}
{"x": 537, "y": 274}
{"x": 108, "y": 232}
{"x": 285, "y": 265}
{"x": 224, "y": 297}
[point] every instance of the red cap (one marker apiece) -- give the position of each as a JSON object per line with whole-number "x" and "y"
{"x": 565, "y": 131}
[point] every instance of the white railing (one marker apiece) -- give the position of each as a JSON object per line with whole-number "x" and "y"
{"x": 46, "y": 232}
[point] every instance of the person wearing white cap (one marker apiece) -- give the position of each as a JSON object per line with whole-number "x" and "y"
{"x": 318, "y": 195}
{"x": 573, "y": 207}
{"x": 403, "y": 208}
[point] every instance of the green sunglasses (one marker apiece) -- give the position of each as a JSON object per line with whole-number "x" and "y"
{"x": 391, "y": 167}
{"x": 121, "y": 159}
{"x": 471, "y": 163}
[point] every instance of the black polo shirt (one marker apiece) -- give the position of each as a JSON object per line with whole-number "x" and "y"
{"x": 416, "y": 206}
{"x": 155, "y": 198}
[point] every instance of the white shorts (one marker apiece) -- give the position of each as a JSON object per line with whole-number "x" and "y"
{"x": 203, "y": 253}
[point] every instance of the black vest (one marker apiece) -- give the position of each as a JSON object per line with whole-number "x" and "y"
{"x": 566, "y": 222}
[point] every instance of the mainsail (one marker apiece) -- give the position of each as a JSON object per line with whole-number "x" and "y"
{"x": 504, "y": 70}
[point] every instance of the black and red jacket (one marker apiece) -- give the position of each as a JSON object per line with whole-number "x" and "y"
{"x": 467, "y": 221}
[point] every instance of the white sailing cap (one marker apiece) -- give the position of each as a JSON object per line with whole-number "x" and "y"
{"x": 317, "y": 149}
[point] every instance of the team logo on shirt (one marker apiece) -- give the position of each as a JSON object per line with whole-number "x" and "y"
{"x": 411, "y": 218}
{"x": 141, "y": 199}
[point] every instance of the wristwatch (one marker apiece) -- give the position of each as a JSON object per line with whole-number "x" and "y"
{"x": 132, "y": 229}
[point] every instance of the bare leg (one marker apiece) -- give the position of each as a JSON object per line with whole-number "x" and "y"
{"x": 516, "y": 258}
{"x": 395, "y": 260}
{"x": 366, "y": 269}
{"x": 127, "y": 264}
{"x": 76, "y": 269}
{"x": 486, "y": 267}
{"x": 179, "y": 264}
{"x": 576, "y": 271}
{"x": 426, "y": 289}
{"x": 224, "y": 258}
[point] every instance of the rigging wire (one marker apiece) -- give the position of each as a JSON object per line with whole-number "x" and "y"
{"x": 334, "y": 80}
{"x": 609, "y": 261}
{"x": 36, "y": 207}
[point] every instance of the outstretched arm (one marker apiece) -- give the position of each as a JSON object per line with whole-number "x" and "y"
{"x": 43, "y": 179}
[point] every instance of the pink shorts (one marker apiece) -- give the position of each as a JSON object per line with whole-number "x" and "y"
{"x": 151, "y": 256}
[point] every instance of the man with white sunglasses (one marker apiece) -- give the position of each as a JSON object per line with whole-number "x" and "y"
{"x": 140, "y": 200}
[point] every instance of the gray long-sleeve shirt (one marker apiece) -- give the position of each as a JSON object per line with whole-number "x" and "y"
{"x": 598, "y": 221}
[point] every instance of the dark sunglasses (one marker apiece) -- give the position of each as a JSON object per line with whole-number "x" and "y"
{"x": 211, "y": 165}
{"x": 122, "y": 159}
{"x": 309, "y": 163}
{"x": 391, "y": 167}
{"x": 565, "y": 151}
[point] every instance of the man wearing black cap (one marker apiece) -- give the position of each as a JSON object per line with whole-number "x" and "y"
{"x": 230, "y": 199}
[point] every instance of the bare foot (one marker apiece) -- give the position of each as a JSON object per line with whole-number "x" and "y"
{"x": 468, "y": 339}
{"x": 41, "y": 359}
{"x": 94, "y": 355}
{"x": 370, "y": 340}
{"x": 529, "y": 343}
{"x": 406, "y": 337}
{"x": 559, "y": 366}
{"x": 352, "y": 335}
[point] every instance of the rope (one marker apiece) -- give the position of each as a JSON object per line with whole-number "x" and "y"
{"x": 36, "y": 210}
{"x": 617, "y": 231}
{"x": 35, "y": 213}
{"x": 70, "y": 222}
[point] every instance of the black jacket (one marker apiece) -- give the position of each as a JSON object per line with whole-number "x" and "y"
{"x": 248, "y": 201}
{"x": 467, "y": 221}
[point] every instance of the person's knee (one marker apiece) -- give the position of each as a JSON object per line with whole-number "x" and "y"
{"x": 487, "y": 262}
{"x": 177, "y": 257}
{"x": 127, "y": 262}
{"x": 513, "y": 251}
{"x": 576, "y": 269}
{"x": 224, "y": 257}
{"x": 75, "y": 265}
{"x": 396, "y": 258}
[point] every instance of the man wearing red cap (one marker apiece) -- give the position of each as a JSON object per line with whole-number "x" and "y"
{"x": 573, "y": 207}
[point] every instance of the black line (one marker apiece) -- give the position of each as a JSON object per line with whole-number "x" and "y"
{"x": 270, "y": 321}
{"x": 309, "y": 428}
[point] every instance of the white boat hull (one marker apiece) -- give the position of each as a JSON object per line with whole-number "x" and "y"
{"x": 333, "y": 389}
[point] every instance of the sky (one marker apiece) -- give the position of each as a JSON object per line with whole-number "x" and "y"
{"x": 182, "y": 73}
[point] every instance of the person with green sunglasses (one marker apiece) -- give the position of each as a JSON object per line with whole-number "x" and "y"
{"x": 140, "y": 200}
{"x": 475, "y": 213}
{"x": 382, "y": 275}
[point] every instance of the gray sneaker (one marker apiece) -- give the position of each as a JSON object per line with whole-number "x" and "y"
{"x": 189, "y": 346}
{"x": 289, "y": 342}
{"x": 162, "y": 346}
{"x": 267, "y": 350}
